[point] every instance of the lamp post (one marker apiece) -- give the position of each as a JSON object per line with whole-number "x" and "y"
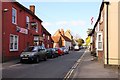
{"x": 3, "y": 33}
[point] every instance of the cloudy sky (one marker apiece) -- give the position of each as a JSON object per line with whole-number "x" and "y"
{"x": 74, "y": 15}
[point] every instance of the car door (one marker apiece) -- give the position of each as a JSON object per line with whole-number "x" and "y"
{"x": 40, "y": 51}
{"x": 44, "y": 52}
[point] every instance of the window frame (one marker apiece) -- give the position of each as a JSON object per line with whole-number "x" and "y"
{"x": 14, "y": 16}
{"x": 14, "y": 42}
{"x": 28, "y": 22}
{"x": 36, "y": 29}
{"x": 101, "y": 41}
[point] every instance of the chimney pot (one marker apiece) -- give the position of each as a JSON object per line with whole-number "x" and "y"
{"x": 32, "y": 8}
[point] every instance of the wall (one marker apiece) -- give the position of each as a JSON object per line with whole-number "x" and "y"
{"x": 67, "y": 44}
{"x": 10, "y": 28}
{"x": 119, "y": 32}
{"x": 113, "y": 33}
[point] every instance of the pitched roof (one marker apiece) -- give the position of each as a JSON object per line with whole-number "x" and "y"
{"x": 26, "y": 9}
{"x": 66, "y": 38}
{"x": 56, "y": 38}
{"x": 101, "y": 8}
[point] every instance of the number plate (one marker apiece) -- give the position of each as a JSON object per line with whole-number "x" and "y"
{"x": 24, "y": 58}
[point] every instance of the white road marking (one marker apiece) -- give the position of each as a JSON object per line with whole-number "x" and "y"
{"x": 73, "y": 68}
{"x": 14, "y": 65}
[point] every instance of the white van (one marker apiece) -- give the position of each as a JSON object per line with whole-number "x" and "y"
{"x": 76, "y": 48}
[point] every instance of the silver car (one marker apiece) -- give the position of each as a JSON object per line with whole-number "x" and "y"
{"x": 33, "y": 53}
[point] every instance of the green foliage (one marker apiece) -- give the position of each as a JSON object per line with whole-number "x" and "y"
{"x": 80, "y": 41}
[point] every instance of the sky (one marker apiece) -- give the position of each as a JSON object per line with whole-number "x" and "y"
{"x": 73, "y": 15}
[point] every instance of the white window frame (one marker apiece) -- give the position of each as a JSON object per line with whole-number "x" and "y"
{"x": 13, "y": 42}
{"x": 14, "y": 15}
{"x": 48, "y": 46}
{"x": 28, "y": 22}
{"x": 44, "y": 36}
{"x": 36, "y": 27}
{"x": 48, "y": 37}
{"x": 101, "y": 41}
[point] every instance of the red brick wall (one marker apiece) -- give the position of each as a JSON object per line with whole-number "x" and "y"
{"x": 10, "y": 28}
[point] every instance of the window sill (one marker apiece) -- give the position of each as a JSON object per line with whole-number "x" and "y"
{"x": 13, "y": 50}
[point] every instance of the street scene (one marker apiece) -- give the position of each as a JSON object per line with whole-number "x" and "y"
{"x": 59, "y": 40}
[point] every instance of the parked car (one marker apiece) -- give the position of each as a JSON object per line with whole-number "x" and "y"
{"x": 51, "y": 53}
{"x": 34, "y": 53}
{"x": 60, "y": 51}
{"x": 76, "y": 48}
{"x": 55, "y": 50}
{"x": 65, "y": 50}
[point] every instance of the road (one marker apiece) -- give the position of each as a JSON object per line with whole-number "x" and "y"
{"x": 52, "y": 68}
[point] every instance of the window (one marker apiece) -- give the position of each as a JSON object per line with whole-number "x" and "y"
{"x": 48, "y": 45}
{"x": 27, "y": 22}
{"x": 13, "y": 42}
{"x": 48, "y": 37}
{"x": 14, "y": 16}
{"x": 36, "y": 28}
{"x": 43, "y": 36}
{"x": 100, "y": 42}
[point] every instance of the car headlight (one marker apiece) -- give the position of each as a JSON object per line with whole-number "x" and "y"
{"x": 32, "y": 54}
{"x": 21, "y": 55}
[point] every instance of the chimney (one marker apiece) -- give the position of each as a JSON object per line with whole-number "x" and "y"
{"x": 32, "y": 8}
{"x": 62, "y": 31}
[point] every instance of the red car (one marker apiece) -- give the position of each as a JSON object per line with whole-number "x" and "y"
{"x": 60, "y": 51}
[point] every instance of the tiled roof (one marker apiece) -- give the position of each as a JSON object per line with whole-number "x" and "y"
{"x": 27, "y": 10}
{"x": 56, "y": 38}
{"x": 66, "y": 38}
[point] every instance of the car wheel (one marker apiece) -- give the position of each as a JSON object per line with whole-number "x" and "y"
{"x": 37, "y": 59}
{"x": 45, "y": 58}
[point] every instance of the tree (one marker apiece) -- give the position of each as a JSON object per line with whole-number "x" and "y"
{"x": 80, "y": 41}
{"x": 88, "y": 41}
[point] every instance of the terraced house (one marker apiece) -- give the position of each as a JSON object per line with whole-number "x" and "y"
{"x": 105, "y": 34}
{"x": 20, "y": 28}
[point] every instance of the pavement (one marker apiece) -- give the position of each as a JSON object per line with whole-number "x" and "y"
{"x": 9, "y": 63}
{"x": 93, "y": 70}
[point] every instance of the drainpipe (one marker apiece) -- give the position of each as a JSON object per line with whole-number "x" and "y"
{"x": 107, "y": 3}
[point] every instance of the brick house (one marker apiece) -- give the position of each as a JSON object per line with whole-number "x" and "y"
{"x": 47, "y": 39}
{"x": 105, "y": 33}
{"x": 61, "y": 40}
{"x": 20, "y": 28}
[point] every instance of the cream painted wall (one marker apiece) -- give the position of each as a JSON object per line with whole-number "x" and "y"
{"x": 113, "y": 33}
{"x": 119, "y": 32}
{"x": 55, "y": 45}
{"x": 67, "y": 44}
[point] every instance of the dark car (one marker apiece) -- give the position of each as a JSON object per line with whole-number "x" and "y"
{"x": 51, "y": 53}
{"x": 34, "y": 53}
{"x": 65, "y": 50}
{"x": 55, "y": 50}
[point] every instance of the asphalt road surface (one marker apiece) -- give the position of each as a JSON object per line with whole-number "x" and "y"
{"x": 52, "y": 68}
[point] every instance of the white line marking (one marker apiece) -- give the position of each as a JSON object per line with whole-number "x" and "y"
{"x": 14, "y": 65}
{"x": 73, "y": 68}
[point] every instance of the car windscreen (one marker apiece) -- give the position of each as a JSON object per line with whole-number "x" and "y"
{"x": 31, "y": 49}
